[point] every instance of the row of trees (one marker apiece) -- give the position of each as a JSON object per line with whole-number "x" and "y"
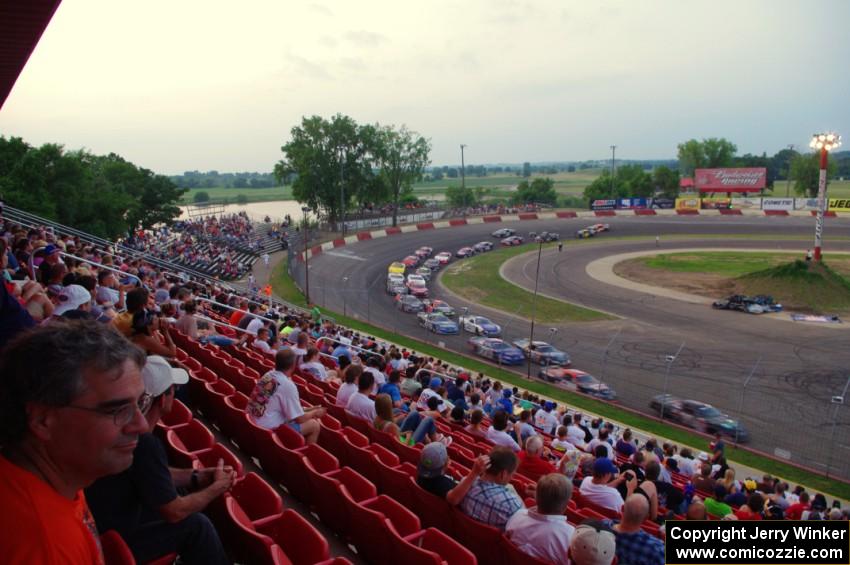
{"x": 214, "y": 179}
{"x": 633, "y": 181}
{"x": 337, "y": 163}
{"x": 101, "y": 194}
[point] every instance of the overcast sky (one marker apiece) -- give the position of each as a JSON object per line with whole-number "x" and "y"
{"x": 190, "y": 84}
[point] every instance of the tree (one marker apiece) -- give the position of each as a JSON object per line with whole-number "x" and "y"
{"x": 665, "y": 181}
{"x": 437, "y": 174}
{"x": 540, "y": 191}
{"x": 630, "y": 181}
{"x": 805, "y": 172}
{"x": 459, "y": 197}
{"x": 333, "y": 160}
{"x": 201, "y": 196}
{"x": 706, "y": 154}
{"x": 402, "y": 156}
{"x": 526, "y": 169}
{"x": 241, "y": 199}
{"x": 571, "y": 169}
{"x": 782, "y": 163}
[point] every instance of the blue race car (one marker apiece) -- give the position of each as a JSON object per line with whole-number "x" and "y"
{"x": 479, "y": 325}
{"x": 437, "y": 323}
{"x": 497, "y": 350}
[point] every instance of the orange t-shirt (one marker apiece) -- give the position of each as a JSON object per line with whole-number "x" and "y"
{"x": 38, "y": 525}
{"x": 236, "y": 316}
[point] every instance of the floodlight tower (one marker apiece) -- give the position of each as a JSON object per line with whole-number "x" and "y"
{"x": 823, "y": 142}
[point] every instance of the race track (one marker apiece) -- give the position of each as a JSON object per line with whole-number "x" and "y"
{"x": 787, "y": 402}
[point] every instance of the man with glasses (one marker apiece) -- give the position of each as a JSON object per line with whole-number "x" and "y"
{"x": 143, "y": 504}
{"x": 71, "y": 402}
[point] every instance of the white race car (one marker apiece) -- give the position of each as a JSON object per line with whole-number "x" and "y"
{"x": 479, "y": 325}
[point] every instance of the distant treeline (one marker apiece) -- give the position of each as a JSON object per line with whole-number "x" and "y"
{"x": 214, "y": 179}
{"x": 527, "y": 169}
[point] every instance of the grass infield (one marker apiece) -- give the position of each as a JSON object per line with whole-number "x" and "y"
{"x": 286, "y": 289}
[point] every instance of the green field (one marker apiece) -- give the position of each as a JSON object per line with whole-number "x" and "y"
{"x": 219, "y": 194}
{"x": 736, "y": 263}
{"x": 286, "y": 289}
{"x": 478, "y": 280}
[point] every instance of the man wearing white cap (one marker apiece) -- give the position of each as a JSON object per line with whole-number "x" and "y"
{"x": 126, "y": 502}
{"x": 73, "y": 297}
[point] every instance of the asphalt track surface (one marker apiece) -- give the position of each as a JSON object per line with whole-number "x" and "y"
{"x": 787, "y": 403}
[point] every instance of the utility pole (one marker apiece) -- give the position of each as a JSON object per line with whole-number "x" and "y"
{"x": 613, "y": 166}
{"x": 534, "y": 307}
{"x": 788, "y": 174}
{"x": 463, "y": 174}
{"x": 341, "y": 194}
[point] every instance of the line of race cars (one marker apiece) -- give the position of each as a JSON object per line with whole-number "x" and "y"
{"x": 590, "y": 231}
{"x": 759, "y": 304}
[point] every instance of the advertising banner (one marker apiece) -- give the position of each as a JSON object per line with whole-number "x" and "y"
{"x": 805, "y": 203}
{"x": 777, "y": 204}
{"x": 662, "y": 203}
{"x": 746, "y": 203}
{"x": 839, "y": 204}
{"x": 716, "y": 203}
{"x": 632, "y": 203}
{"x": 687, "y": 204}
{"x": 603, "y": 204}
{"x": 731, "y": 180}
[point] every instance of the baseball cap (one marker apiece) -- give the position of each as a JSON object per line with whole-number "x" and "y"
{"x": 159, "y": 376}
{"x": 435, "y": 382}
{"x": 50, "y": 249}
{"x": 432, "y": 460}
{"x": 603, "y": 466}
{"x": 703, "y": 456}
{"x": 750, "y": 485}
{"x": 72, "y": 297}
{"x": 507, "y": 393}
{"x": 549, "y": 406}
{"x": 593, "y": 543}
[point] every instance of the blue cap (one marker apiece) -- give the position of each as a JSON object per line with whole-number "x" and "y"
{"x": 549, "y": 405}
{"x": 50, "y": 249}
{"x": 507, "y": 393}
{"x": 436, "y": 382}
{"x": 604, "y": 466}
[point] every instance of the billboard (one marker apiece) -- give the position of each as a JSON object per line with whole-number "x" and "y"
{"x": 745, "y": 179}
{"x": 632, "y": 203}
{"x": 687, "y": 204}
{"x": 805, "y": 203}
{"x": 716, "y": 203}
{"x": 746, "y": 203}
{"x": 777, "y": 204}
{"x": 839, "y": 205}
{"x": 662, "y": 203}
{"x": 610, "y": 204}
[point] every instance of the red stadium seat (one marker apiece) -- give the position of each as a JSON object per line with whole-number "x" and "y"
{"x": 433, "y": 510}
{"x": 184, "y": 442}
{"x": 514, "y": 556}
{"x": 482, "y": 540}
{"x": 400, "y": 483}
{"x": 299, "y": 541}
{"x": 335, "y": 442}
{"x": 369, "y": 530}
{"x": 212, "y": 400}
{"x": 340, "y": 490}
{"x": 430, "y": 547}
{"x": 258, "y": 499}
{"x": 232, "y": 418}
{"x": 210, "y": 457}
{"x": 178, "y": 416}
{"x": 359, "y": 424}
{"x": 408, "y": 453}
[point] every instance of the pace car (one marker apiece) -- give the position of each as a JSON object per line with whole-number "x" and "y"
{"x": 438, "y": 306}
{"x": 543, "y": 353}
{"x": 512, "y": 240}
{"x": 437, "y": 323}
{"x": 408, "y": 303}
{"x": 699, "y": 416}
{"x": 479, "y": 325}
{"x": 578, "y": 381}
{"x": 465, "y": 252}
{"x": 503, "y": 232}
{"x": 496, "y": 350}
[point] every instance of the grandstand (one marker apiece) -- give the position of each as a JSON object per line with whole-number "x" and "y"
{"x": 357, "y": 485}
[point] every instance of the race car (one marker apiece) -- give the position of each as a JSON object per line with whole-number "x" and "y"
{"x": 512, "y": 240}
{"x": 443, "y": 257}
{"x": 483, "y": 246}
{"x": 543, "y": 353}
{"x": 465, "y": 252}
{"x": 397, "y": 267}
{"x": 741, "y": 303}
{"x": 410, "y": 261}
{"x": 479, "y": 325}
{"x": 424, "y": 272}
{"x": 584, "y": 233}
{"x": 408, "y": 303}
{"x": 423, "y": 252}
{"x": 496, "y": 350}
{"x": 598, "y": 228}
{"x": 432, "y": 264}
{"x": 395, "y": 283}
{"x": 579, "y": 381}
{"x": 766, "y": 302}
{"x": 439, "y": 306}
{"x": 415, "y": 278}
{"x": 416, "y": 286}
{"x": 544, "y": 237}
{"x": 699, "y": 416}
{"x": 503, "y": 232}
{"x": 437, "y": 323}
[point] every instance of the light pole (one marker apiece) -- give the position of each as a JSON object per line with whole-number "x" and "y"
{"x": 823, "y": 142}
{"x": 837, "y": 401}
{"x": 670, "y": 360}
{"x": 788, "y": 173}
{"x": 304, "y": 231}
{"x": 463, "y": 174}
{"x": 613, "y": 167}
{"x": 534, "y": 307}
{"x": 341, "y": 194}
{"x": 345, "y": 296}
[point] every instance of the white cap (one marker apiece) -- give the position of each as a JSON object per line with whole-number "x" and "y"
{"x": 159, "y": 376}
{"x": 72, "y": 297}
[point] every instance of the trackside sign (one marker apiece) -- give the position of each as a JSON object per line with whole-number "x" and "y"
{"x": 777, "y": 204}
{"x": 839, "y": 204}
{"x": 730, "y": 180}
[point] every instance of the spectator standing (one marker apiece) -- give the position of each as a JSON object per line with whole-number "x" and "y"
{"x": 71, "y": 403}
{"x": 545, "y": 420}
{"x": 543, "y": 531}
